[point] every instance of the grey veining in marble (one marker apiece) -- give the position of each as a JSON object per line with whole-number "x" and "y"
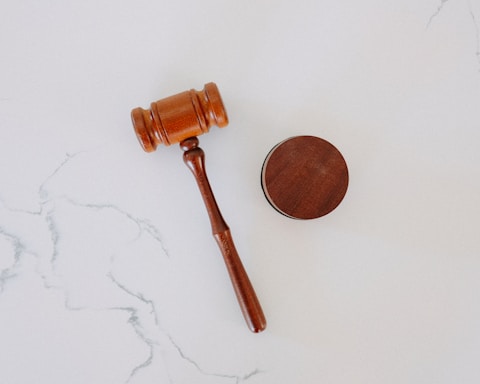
{"x": 108, "y": 270}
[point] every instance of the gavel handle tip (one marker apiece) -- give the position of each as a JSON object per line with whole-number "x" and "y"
{"x": 246, "y": 296}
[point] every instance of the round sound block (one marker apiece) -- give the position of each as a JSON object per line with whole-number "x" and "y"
{"x": 304, "y": 177}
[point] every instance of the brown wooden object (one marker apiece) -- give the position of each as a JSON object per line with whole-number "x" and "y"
{"x": 179, "y": 119}
{"x": 304, "y": 177}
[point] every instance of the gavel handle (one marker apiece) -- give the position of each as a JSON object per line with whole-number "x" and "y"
{"x": 194, "y": 158}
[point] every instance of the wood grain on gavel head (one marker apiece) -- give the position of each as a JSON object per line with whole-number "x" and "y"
{"x": 179, "y": 117}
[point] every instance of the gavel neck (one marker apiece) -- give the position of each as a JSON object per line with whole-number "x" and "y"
{"x": 194, "y": 159}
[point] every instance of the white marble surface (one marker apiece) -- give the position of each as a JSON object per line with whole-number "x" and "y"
{"x": 108, "y": 271}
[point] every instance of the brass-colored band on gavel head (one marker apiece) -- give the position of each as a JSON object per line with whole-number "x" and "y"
{"x": 179, "y": 117}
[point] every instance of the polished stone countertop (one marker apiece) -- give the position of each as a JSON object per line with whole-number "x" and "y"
{"x": 108, "y": 270}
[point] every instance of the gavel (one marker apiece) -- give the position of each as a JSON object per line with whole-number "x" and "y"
{"x": 180, "y": 119}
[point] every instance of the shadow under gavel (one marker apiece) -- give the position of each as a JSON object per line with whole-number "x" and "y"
{"x": 180, "y": 119}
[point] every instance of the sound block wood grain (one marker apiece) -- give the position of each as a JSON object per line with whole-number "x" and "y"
{"x": 304, "y": 177}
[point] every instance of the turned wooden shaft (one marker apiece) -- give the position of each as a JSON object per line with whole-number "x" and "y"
{"x": 194, "y": 158}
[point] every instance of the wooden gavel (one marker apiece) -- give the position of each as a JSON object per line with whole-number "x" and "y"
{"x": 179, "y": 119}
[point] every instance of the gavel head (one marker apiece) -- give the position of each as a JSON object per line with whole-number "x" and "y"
{"x": 179, "y": 117}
